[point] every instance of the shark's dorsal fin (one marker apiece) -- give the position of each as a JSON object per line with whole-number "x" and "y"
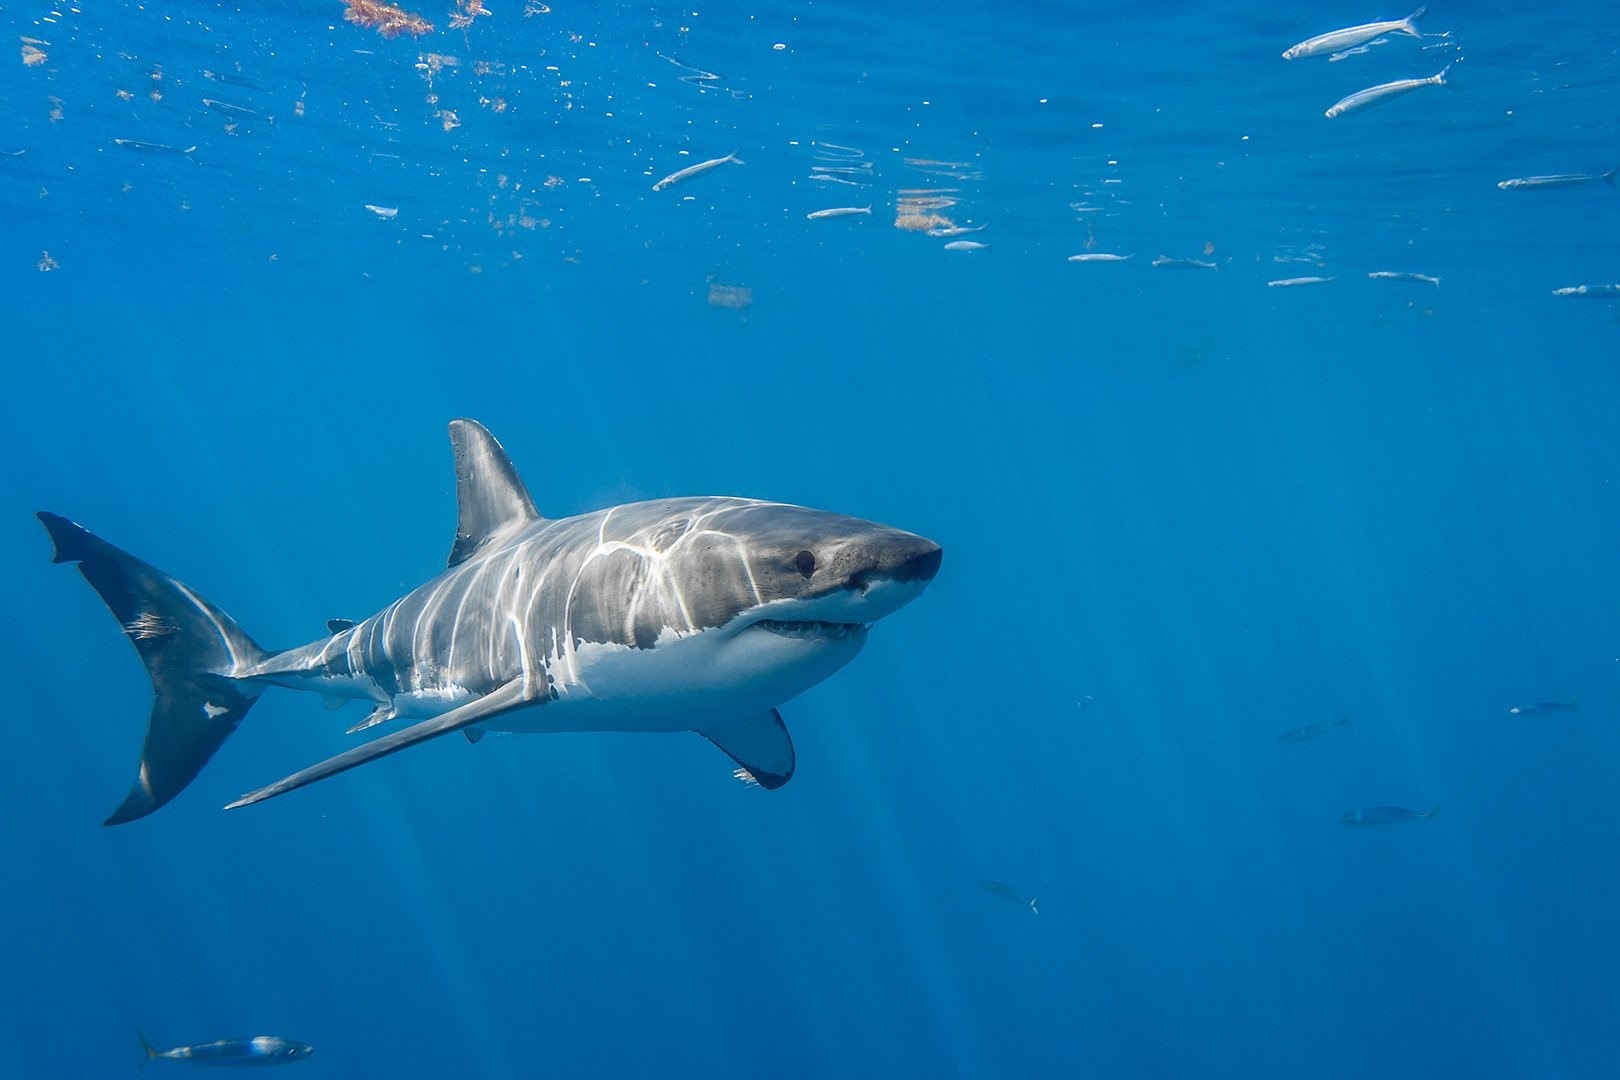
{"x": 491, "y": 502}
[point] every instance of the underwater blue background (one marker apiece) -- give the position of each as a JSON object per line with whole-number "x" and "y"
{"x": 1183, "y": 513}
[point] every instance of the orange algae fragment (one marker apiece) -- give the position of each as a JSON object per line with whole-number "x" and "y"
{"x": 386, "y": 19}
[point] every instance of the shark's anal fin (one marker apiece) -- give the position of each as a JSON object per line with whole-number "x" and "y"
{"x": 505, "y": 699}
{"x": 491, "y": 501}
{"x": 760, "y": 744}
{"x": 473, "y": 734}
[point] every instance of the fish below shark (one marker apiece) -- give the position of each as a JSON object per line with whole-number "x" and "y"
{"x": 688, "y": 614}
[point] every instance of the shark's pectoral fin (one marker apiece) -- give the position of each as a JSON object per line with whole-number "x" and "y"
{"x": 509, "y": 697}
{"x": 759, "y": 744}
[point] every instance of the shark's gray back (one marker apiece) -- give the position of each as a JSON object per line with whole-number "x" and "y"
{"x": 521, "y": 609}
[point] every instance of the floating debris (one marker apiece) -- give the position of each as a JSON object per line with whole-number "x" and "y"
{"x": 1294, "y": 282}
{"x": 466, "y": 11}
{"x": 46, "y": 263}
{"x": 736, "y": 297}
{"x": 386, "y": 19}
{"x": 1007, "y": 892}
{"x": 32, "y": 56}
{"x": 1403, "y": 275}
{"x": 387, "y": 213}
{"x": 1594, "y": 292}
{"x": 916, "y": 209}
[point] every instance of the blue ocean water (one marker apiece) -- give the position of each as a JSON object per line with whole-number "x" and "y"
{"x": 1183, "y": 513}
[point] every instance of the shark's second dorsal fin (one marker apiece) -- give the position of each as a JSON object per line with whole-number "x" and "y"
{"x": 491, "y": 501}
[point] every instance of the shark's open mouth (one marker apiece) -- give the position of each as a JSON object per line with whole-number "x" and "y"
{"x": 811, "y": 628}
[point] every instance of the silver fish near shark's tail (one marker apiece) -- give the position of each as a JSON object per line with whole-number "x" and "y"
{"x": 190, "y": 648}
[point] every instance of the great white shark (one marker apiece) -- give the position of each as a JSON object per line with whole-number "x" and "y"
{"x": 688, "y": 614}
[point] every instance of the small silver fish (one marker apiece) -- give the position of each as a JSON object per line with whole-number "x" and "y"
{"x": 1099, "y": 256}
{"x": 158, "y": 149}
{"x": 683, "y": 175}
{"x": 1007, "y": 892}
{"x": 228, "y": 109}
{"x": 232, "y": 79}
{"x": 965, "y": 245}
{"x": 257, "y": 1050}
{"x": 1592, "y": 292}
{"x": 941, "y": 231}
{"x": 1542, "y": 708}
{"x": 384, "y": 212}
{"x": 1312, "y": 731}
{"x": 1293, "y": 282}
{"x": 1377, "y": 95}
{"x": 1403, "y": 275}
{"x": 1385, "y": 815}
{"x": 1351, "y": 36}
{"x": 837, "y": 211}
{"x": 1559, "y": 180}
{"x": 1187, "y": 264}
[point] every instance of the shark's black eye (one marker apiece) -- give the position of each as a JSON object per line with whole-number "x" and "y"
{"x": 805, "y": 563}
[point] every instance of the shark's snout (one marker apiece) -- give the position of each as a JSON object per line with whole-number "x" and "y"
{"x": 921, "y": 566}
{"x": 918, "y": 565}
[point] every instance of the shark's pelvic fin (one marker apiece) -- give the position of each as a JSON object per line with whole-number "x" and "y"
{"x": 760, "y": 744}
{"x": 508, "y": 697}
{"x": 491, "y": 501}
{"x": 380, "y": 715}
{"x": 190, "y": 648}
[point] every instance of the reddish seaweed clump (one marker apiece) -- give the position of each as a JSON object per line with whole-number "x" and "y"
{"x": 386, "y": 19}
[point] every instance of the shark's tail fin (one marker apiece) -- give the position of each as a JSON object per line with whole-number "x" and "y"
{"x": 190, "y": 648}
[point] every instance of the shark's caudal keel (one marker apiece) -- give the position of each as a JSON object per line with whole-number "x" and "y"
{"x": 697, "y": 614}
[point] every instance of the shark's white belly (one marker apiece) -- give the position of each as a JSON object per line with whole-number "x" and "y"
{"x": 684, "y": 682}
